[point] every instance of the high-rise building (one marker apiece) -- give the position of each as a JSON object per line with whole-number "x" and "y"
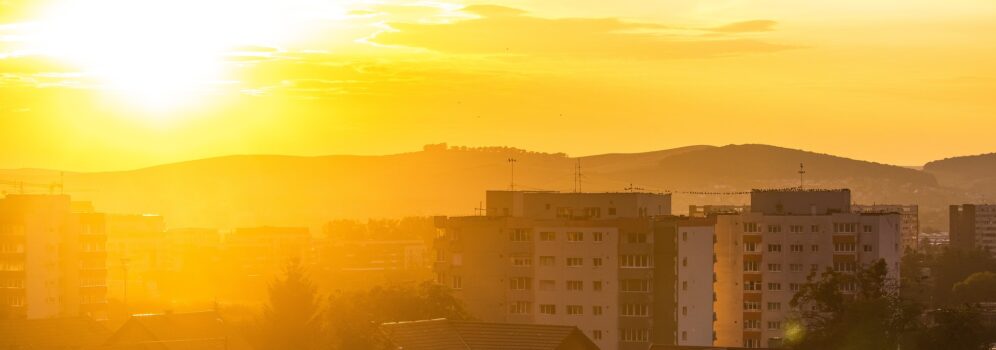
{"x": 764, "y": 256}
{"x": 973, "y": 225}
{"x": 615, "y": 265}
{"x": 52, "y": 259}
{"x": 909, "y": 228}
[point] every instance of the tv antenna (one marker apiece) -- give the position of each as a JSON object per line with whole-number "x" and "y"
{"x": 802, "y": 174}
{"x": 511, "y": 163}
{"x": 480, "y": 210}
{"x": 577, "y": 177}
{"x": 631, "y": 188}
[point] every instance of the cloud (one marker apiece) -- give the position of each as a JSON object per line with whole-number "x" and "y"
{"x": 760, "y": 25}
{"x": 503, "y": 30}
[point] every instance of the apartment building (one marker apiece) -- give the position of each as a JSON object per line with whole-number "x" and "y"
{"x": 615, "y": 265}
{"x": 52, "y": 259}
{"x": 136, "y": 254}
{"x": 909, "y": 228}
{"x": 763, "y": 257}
{"x": 973, "y": 225}
{"x": 702, "y": 211}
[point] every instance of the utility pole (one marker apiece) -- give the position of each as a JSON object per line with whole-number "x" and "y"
{"x": 577, "y": 177}
{"x": 511, "y": 162}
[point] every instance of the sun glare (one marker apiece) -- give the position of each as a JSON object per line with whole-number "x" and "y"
{"x": 161, "y": 55}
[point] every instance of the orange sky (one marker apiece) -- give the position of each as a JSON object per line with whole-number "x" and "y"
{"x": 117, "y": 84}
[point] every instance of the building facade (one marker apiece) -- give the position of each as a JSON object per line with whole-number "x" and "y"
{"x": 972, "y": 226}
{"x": 52, "y": 259}
{"x": 764, "y": 256}
{"x": 615, "y": 265}
{"x": 909, "y": 228}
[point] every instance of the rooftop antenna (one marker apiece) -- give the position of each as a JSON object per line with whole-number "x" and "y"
{"x": 480, "y": 209}
{"x": 631, "y": 188}
{"x": 511, "y": 162}
{"x": 577, "y": 177}
{"x": 802, "y": 174}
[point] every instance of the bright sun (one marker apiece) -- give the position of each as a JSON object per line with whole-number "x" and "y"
{"x": 164, "y": 54}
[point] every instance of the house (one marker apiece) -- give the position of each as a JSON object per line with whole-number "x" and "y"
{"x": 176, "y": 331}
{"x": 443, "y": 334}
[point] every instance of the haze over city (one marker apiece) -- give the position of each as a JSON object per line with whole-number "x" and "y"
{"x": 506, "y": 174}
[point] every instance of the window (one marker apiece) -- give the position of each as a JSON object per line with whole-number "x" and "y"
{"x": 519, "y": 307}
{"x": 634, "y": 310}
{"x": 575, "y": 310}
{"x": 596, "y": 262}
{"x": 596, "y": 310}
{"x": 795, "y": 267}
{"x": 752, "y": 324}
{"x": 866, "y": 228}
{"x": 849, "y": 287}
{"x": 634, "y": 335}
{"x": 684, "y": 335}
{"x": 844, "y": 266}
{"x": 795, "y": 228}
{"x": 596, "y": 334}
{"x": 774, "y": 306}
{"x": 564, "y": 212}
{"x": 519, "y": 283}
{"x": 548, "y": 261}
{"x": 796, "y": 248}
{"x": 596, "y": 286}
{"x": 752, "y": 343}
{"x": 684, "y": 261}
{"x": 522, "y": 261}
{"x": 814, "y": 228}
{"x": 575, "y": 262}
{"x": 548, "y": 236}
{"x": 518, "y": 235}
{"x": 751, "y": 266}
{"x": 774, "y": 286}
{"x": 633, "y": 285}
{"x": 845, "y": 227}
{"x": 612, "y": 211}
{"x": 597, "y": 236}
{"x": 774, "y": 325}
{"x": 774, "y": 228}
{"x": 684, "y": 236}
{"x": 815, "y": 248}
{"x": 751, "y": 247}
{"x": 868, "y": 248}
{"x": 752, "y": 306}
{"x": 844, "y": 247}
{"x": 684, "y": 311}
{"x": 753, "y": 286}
{"x": 635, "y": 261}
{"x": 684, "y": 285}
{"x": 774, "y": 248}
{"x": 775, "y": 267}
{"x": 593, "y": 212}
{"x": 752, "y": 227}
{"x": 457, "y": 282}
{"x": 814, "y": 267}
{"x": 575, "y": 286}
{"x": 794, "y": 287}
{"x": 548, "y": 309}
{"x": 636, "y": 238}
{"x": 547, "y": 285}
{"x": 575, "y": 236}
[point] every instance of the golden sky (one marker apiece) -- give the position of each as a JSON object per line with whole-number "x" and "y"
{"x": 118, "y": 84}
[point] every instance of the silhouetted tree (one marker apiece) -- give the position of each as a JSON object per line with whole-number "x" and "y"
{"x": 859, "y": 310}
{"x": 354, "y": 318}
{"x": 976, "y": 288}
{"x": 955, "y": 329}
{"x": 955, "y": 265}
{"x": 291, "y": 316}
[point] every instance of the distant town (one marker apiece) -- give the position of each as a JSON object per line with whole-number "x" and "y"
{"x": 607, "y": 270}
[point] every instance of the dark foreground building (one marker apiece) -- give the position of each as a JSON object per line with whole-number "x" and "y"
{"x": 443, "y": 334}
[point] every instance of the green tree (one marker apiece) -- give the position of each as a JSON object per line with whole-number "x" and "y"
{"x": 976, "y": 288}
{"x": 291, "y": 316}
{"x": 853, "y": 311}
{"x": 354, "y": 318}
{"x": 955, "y": 265}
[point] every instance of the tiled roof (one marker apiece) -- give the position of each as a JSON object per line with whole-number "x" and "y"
{"x": 54, "y": 333}
{"x": 192, "y": 330}
{"x": 442, "y": 334}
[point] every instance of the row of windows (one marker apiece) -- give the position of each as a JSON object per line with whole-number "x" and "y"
{"x": 552, "y": 261}
{"x": 756, "y": 306}
{"x": 838, "y": 227}
{"x": 523, "y": 235}
{"x": 753, "y": 247}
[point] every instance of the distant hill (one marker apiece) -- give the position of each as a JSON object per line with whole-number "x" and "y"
{"x": 249, "y": 190}
{"x": 975, "y": 175}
